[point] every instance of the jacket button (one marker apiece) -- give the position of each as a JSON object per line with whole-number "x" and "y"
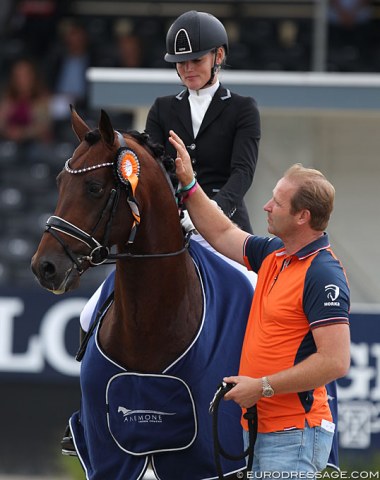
{"x": 192, "y": 146}
{"x": 193, "y": 161}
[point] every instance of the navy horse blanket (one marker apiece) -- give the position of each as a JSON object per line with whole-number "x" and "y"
{"x": 128, "y": 419}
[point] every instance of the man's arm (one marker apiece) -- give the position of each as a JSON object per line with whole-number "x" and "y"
{"x": 331, "y": 361}
{"x": 208, "y": 219}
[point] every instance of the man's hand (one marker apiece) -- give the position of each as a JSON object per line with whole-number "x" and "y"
{"x": 246, "y": 392}
{"x": 184, "y": 169}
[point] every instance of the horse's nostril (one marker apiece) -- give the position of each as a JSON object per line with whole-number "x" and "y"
{"x": 48, "y": 269}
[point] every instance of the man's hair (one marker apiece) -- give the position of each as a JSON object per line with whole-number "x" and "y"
{"x": 315, "y": 193}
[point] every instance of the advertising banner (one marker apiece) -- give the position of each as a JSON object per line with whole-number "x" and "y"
{"x": 39, "y": 337}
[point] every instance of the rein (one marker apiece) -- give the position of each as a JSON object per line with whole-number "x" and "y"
{"x": 250, "y": 415}
{"x": 100, "y": 252}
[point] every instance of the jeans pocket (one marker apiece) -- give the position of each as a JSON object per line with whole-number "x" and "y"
{"x": 322, "y": 447}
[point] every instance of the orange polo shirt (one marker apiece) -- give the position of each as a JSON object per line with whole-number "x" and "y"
{"x": 294, "y": 295}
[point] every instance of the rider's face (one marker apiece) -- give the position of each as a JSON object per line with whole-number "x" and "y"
{"x": 196, "y": 73}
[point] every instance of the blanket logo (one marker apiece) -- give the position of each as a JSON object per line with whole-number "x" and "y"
{"x": 143, "y": 416}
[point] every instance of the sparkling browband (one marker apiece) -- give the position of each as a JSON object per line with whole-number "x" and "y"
{"x": 87, "y": 169}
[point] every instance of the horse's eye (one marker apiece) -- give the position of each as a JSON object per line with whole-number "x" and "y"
{"x": 95, "y": 189}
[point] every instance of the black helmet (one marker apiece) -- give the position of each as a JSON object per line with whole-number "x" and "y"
{"x": 193, "y": 35}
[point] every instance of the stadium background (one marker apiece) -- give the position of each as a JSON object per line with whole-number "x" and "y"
{"x": 319, "y": 104}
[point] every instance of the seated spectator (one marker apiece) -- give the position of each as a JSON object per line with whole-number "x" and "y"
{"x": 34, "y": 23}
{"x": 350, "y": 30}
{"x": 24, "y": 106}
{"x": 129, "y": 51}
{"x": 67, "y": 64}
{"x": 127, "y": 46}
{"x": 348, "y": 13}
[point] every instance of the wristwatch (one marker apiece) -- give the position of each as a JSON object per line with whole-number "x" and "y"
{"x": 267, "y": 388}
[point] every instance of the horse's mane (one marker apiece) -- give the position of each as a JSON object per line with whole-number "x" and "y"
{"x": 157, "y": 150}
{"x": 158, "y": 153}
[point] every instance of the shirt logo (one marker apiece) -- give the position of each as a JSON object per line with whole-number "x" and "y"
{"x": 332, "y": 293}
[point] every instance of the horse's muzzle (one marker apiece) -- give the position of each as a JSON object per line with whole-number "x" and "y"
{"x": 58, "y": 275}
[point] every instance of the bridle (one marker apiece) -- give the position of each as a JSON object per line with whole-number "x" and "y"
{"x": 100, "y": 251}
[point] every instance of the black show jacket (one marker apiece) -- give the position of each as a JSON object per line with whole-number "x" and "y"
{"x": 224, "y": 153}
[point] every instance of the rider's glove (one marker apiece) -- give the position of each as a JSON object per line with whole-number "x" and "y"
{"x": 187, "y": 224}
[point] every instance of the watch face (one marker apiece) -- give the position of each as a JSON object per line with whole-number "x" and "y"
{"x": 268, "y": 392}
{"x": 267, "y": 389}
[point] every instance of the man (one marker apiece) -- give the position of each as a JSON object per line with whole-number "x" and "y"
{"x": 297, "y": 338}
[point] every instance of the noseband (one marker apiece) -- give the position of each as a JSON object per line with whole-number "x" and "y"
{"x": 100, "y": 252}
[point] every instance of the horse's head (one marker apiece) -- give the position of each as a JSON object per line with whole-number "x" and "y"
{"x": 101, "y": 198}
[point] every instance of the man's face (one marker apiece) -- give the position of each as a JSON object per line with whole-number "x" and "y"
{"x": 280, "y": 221}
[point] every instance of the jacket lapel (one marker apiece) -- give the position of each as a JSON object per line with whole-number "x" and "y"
{"x": 181, "y": 110}
{"x": 218, "y": 103}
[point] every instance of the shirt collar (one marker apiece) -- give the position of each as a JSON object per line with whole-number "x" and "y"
{"x": 206, "y": 91}
{"x": 321, "y": 243}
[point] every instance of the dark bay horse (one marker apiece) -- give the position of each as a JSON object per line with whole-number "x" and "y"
{"x": 153, "y": 316}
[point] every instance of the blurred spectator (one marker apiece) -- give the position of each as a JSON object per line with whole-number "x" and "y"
{"x": 125, "y": 51}
{"x": 129, "y": 51}
{"x": 350, "y": 31}
{"x": 348, "y": 13}
{"x": 24, "y": 106}
{"x": 5, "y": 13}
{"x": 67, "y": 64}
{"x": 128, "y": 48}
{"x": 32, "y": 24}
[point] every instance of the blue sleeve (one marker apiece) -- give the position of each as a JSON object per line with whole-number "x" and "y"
{"x": 326, "y": 298}
{"x": 257, "y": 248}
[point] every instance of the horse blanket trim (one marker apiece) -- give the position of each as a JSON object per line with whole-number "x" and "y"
{"x": 188, "y": 348}
{"x": 227, "y": 298}
{"x": 83, "y": 460}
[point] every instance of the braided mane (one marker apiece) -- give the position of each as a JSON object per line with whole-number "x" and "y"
{"x": 143, "y": 139}
{"x": 158, "y": 152}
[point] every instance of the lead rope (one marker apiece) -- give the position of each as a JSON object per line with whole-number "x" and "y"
{"x": 250, "y": 416}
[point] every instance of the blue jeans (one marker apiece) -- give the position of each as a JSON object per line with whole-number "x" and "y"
{"x": 290, "y": 451}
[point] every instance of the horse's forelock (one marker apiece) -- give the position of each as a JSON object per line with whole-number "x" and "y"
{"x": 92, "y": 137}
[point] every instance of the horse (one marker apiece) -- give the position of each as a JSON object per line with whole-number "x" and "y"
{"x": 160, "y": 339}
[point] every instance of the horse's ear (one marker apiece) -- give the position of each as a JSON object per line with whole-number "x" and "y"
{"x": 79, "y": 125}
{"x": 106, "y": 129}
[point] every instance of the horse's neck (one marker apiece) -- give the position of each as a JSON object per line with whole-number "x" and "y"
{"x": 156, "y": 312}
{"x": 158, "y": 302}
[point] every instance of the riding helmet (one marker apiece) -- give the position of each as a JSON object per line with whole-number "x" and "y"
{"x": 193, "y": 35}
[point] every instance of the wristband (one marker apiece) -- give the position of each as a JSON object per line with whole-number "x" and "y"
{"x": 188, "y": 186}
{"x": 191, "y": 191}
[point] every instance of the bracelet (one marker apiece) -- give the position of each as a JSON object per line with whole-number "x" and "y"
{"x": 191, "y": 191}
{"x": 188, "y": 186}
